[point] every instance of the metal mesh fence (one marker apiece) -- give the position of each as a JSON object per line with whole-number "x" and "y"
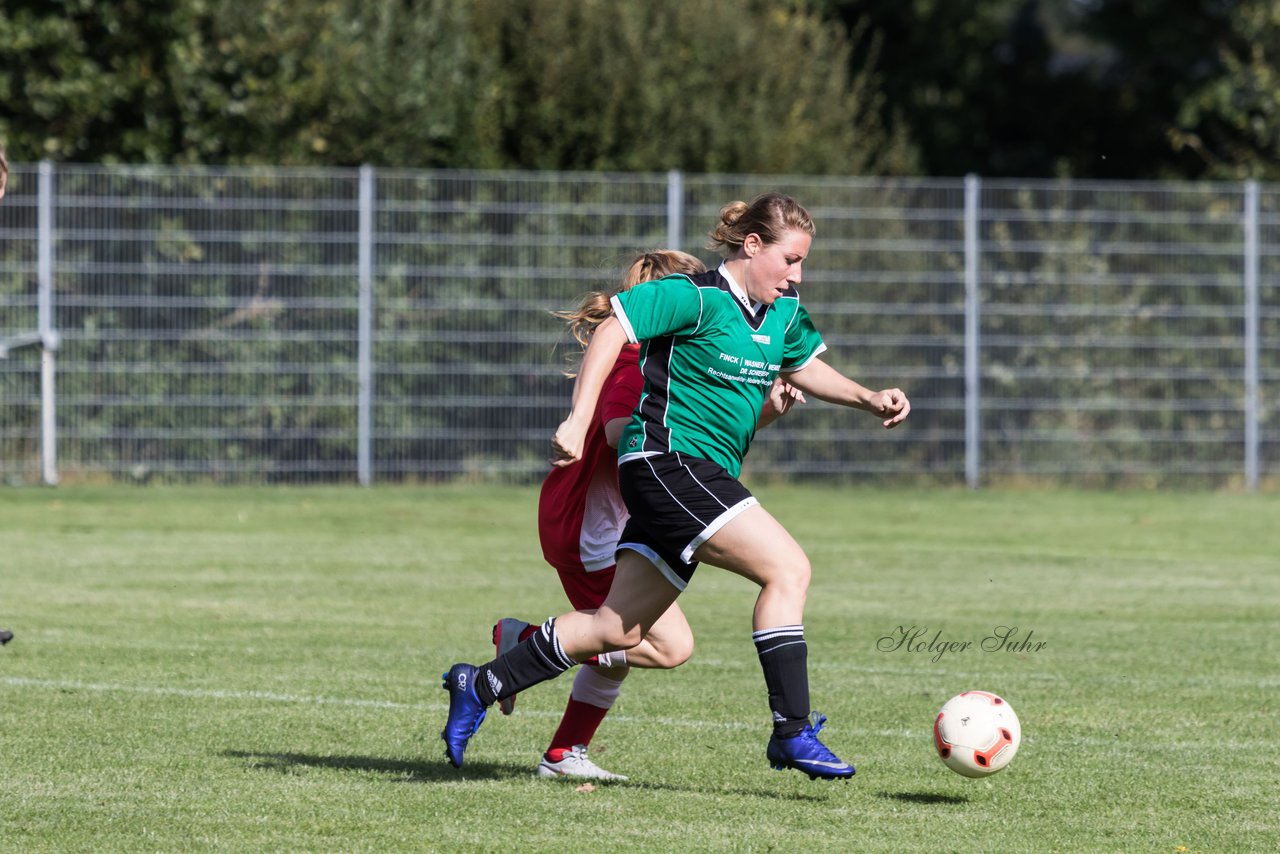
{"x": 469, "y": 380}
{"x": 275, "y": 325}
{"x": 1111, "y": 334}
{"x": 20, "y": 370}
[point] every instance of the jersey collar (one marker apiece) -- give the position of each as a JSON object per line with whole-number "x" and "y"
{"x": 738, "y": 293}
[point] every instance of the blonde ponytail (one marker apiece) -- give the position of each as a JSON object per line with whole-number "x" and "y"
{"x": 594, "y": 309}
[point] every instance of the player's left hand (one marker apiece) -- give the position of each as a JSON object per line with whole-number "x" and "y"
{"x": 891, "y": 405}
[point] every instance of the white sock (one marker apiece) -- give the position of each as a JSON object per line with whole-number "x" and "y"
{"x": 594, "y": 688}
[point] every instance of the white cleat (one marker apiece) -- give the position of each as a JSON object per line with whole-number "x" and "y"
{"x": 575, "y": 764}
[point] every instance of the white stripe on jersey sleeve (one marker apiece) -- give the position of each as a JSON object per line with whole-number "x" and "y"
{"x": 622, "y": 318}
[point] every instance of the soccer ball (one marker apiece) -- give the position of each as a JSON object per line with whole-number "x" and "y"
{"x": 976, "y": 733}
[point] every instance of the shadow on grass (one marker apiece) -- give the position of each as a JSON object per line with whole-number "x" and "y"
{"x": 432, "y": 771}
{"x": 412, "y": 771}
{"x": 923, "y": 798}
{"x": 770, "y": 794}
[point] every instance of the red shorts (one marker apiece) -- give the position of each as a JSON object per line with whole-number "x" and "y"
{"x": 586, "y": 590}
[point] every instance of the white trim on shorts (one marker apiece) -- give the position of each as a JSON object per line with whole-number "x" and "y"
{"x": 656, "y": 559}
{"x": 716, "y": 524}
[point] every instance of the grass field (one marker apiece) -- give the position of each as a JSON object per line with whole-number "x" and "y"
{"x": 234, "y": 669}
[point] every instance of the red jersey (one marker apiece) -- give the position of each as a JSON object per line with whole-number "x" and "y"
{"x": 580, "y": 511}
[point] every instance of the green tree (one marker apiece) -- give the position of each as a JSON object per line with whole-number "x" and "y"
{"x": 1149, "y": 58}
{"x": 332, "y": 82}
{"x": 1232, "y": 121}
{"x": 1077, "y": 88}
{"x": 702, "y": 85}
{"x": 546, "y": 84}
{"x": 996, "y": 87}
{"x": 81, "y": 80}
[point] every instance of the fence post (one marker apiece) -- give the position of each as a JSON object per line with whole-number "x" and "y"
{"x": 972, "y": 352}
{"x": 49, "y": 338}
{"x": 675, "y": 209}
{"x": 1251, "y": 437}
{"x": 364, "y": 368}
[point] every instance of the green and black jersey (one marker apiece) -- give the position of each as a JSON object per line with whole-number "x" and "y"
{"x": 708, "y": 359}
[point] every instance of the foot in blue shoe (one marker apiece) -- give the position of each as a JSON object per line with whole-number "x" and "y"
{"x": 466, "y": 712}
{"x": 806, "y": 754}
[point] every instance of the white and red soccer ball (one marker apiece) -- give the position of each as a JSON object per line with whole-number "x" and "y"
{"x": 976, "y": 733}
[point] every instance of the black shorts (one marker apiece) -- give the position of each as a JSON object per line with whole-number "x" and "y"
{"x": 677, "y": 503}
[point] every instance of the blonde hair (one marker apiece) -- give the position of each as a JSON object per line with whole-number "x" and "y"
{"x": 595, "y": 308}
{"x": 769, "y": 215}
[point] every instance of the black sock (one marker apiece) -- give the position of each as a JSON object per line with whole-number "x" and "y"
{"x": 535, "y": 659}
{"x": 784, "y": 657}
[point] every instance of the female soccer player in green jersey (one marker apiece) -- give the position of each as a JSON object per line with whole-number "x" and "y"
{"x": 711, "y": 345}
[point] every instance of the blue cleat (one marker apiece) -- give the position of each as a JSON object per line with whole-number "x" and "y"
{"x": 466, "y": 712}
{"x": 808, "y": 755}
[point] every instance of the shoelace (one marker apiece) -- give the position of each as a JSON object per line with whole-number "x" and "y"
{"x": 578, "y": 751}
{"x": 810, "y": 733}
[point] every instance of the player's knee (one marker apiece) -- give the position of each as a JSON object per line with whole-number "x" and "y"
{"x": 609, "y": 633}
{"x": 677, "y": 652}
{"x": 802, "y": 574}
{"x": 617, "y": 637}
{"x": 791, "y": 579}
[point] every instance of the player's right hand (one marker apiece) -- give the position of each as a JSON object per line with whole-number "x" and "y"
{"x": 783, "y": 396}
{"x": 566, "y": 444}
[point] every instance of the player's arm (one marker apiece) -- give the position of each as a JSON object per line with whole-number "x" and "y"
{"x": 602, "y": 351}
{"x": 613, "y": 430}
{"x": 826, "y": 383}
